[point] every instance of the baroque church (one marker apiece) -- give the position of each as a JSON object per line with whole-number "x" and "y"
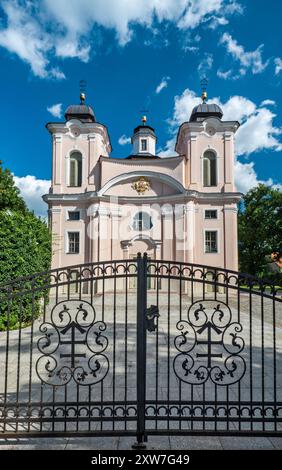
{"x": 181, "y": 208}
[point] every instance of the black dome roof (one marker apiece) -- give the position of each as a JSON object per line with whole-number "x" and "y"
{"x": 204, "y": 110}
{"x": 80, "y": 111}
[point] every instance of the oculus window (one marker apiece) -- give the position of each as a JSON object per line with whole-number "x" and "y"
{"x": 142, "y": 221}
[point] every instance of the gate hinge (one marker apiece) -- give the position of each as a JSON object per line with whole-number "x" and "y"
{"x": 152, "y": 313}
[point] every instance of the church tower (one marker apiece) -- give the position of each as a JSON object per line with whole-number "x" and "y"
{"x": 77, "y": 145}
{"x": 144, "y": 140}
{"x": 206, "y": 142}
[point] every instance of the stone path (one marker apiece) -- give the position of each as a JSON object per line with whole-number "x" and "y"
{"x": 155, "y": 442}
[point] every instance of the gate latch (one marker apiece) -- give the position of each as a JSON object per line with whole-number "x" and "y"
{"x": 152, "y": 313}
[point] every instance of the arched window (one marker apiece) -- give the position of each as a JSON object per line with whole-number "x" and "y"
{"x": 142, "y": 221}
{"x": 209, "y": 169}
{"x": 75, "y": 169}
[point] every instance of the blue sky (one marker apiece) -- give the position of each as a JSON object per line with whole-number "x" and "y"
{"x": 139, "y": 54}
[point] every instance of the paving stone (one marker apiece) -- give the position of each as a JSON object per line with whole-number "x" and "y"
{"x": 33, "y": 444}
{"x": 195, "y": 443}
{"x": 92, "y": 443}
{"x": 154, "y": 443}
{"x": 276, "y": 441}
{"x": 246, "y": 443}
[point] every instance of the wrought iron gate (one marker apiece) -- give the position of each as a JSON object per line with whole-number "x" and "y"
{"x": 200, "y": 352}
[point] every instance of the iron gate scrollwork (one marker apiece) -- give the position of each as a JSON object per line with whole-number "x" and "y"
{"x": 140, "y": 347}
{"x": 72, "y": 324}
{"x": 213, "y": 321}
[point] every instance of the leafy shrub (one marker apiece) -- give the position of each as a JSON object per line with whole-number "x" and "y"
{"x": 25, "y": 248}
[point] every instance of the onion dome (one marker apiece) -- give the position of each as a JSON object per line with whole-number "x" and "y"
{"x": 80, "y": 111}
{"x": 204, "y": 110}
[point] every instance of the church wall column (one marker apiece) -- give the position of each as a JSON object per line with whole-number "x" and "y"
{"x": 91, "y": 160}
{"x": 167, "y": 232}
{"x": 228, "y": 162}
{"x": 104, "y": 234}
{"x": 231, "y": 237}
{"x": 190, "y": 232}
{"x": 180, "y": 233}
{"x": 57, "y": 163}
{"x": 195, "y": 168}
{"x": 57, "y": 238}
{"x": 93, "y": 232}
{"x": 115, "y": 216}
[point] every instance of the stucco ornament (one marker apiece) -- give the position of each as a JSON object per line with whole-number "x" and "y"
{"x": 141, "y": 185}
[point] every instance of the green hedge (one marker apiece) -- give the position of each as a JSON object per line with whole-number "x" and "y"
{"x": 25, "y": 248}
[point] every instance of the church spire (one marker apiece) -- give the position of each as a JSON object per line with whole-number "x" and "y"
{"x": 204, "y": 84}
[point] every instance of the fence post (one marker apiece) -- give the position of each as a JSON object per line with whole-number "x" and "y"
{"x": 141, "y": 348}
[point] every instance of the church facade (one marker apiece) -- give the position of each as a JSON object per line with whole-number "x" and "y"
{"x": 181, "y": 208}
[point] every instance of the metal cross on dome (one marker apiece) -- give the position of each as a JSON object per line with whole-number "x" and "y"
{"x": 204, "y": 85}
{"x": 144, "y": 113}
{"x": 82, "y": 88}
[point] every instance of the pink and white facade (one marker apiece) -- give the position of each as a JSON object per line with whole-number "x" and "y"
{"x": 181, "y": 208}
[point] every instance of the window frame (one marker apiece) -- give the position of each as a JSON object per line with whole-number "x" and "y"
{"x": 141, "y": 142}
{"x": 211, "y": 210}
{"x": 215, "y": 160}
{"x": 135, "y": 222}
{"x": 78, "y": 170}
{"x": 217, "y": 242}
{"x": 73, "y": 211}
{"x": 67, "y": 250}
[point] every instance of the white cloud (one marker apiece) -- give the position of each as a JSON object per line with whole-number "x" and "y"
{"x": 205, "y": 65}
{"x": 38, "y": 31}
{"x": 32, "y": 190}
{"x": 278, "y": 65}
{"x": 124, "y": 140}
{"x": 163, "y": 84}
{"x": 55, "y": 110}
{"x": 225, "y": 75}
{"x": 25, "y": 37}
{"x": 268, "y": 103}
{"x": 199, "y": 10}
{"x": 67, "y": 47}
{"x": 230, "y": 75}
{"x": 257, "y": 132}
{"x": 246, "y": 178}
{"x": 248, "y": 60}
{"x": 120, "y": 15}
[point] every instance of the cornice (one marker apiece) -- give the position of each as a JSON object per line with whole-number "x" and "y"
{"x": 85, "y": 128}
{"x": 196, "y": 128}
{"x": 195, "y": 196}
{"x": 141, "y": 162}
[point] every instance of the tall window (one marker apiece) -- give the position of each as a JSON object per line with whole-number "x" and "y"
{"x": 73, "y": 242}
{"x": 142, "y": 221}
{"x": 211, "y": 243}
{"x": 209, "y": 169}
{"x": 144, "y": 145}
{"x": 76, "y": 169}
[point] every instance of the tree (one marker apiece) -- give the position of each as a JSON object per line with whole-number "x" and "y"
{"x": 260, "y": 228}
{"x": 9, "y": 194}
{"x": 25, "y": 249}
